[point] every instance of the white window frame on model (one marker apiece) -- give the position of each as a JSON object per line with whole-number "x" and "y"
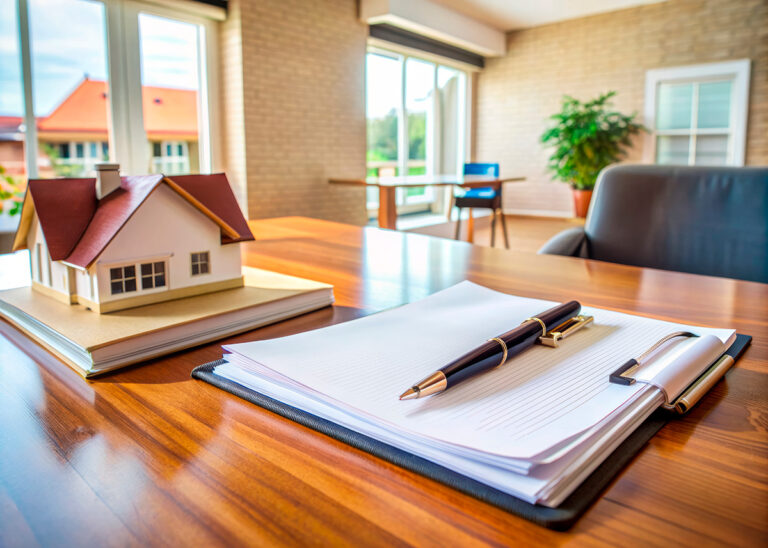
{"x": 737, "y": 72}
{"x": 196, "y": 260}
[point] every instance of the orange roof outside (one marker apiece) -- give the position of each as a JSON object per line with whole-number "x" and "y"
{"x": 167, "y": 111}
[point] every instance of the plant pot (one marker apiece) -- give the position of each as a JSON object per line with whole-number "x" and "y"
{"x": 581, "y": 199}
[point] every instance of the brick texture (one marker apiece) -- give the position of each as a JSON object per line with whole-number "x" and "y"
{"x": 585, "y": 57}
{"x": 300, "y": 116}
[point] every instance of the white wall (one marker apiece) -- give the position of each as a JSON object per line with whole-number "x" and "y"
{"x": 83, "y": 285}
{"x": 168, "y": 228}
{"x": 54, "y": 274}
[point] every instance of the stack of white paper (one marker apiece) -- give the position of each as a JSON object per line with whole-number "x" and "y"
{"x": 534, "y": 428}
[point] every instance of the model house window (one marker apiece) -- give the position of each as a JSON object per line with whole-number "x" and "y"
{"x": 698, "y": 114}
{"x": 416, "y": 122}
{"x": 152, "y": 275}
{"x": 122, "y": 279}
{"x": 200, "y": 263}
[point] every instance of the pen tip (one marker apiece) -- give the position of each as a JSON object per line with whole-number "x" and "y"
{"x": 409, "y": 394}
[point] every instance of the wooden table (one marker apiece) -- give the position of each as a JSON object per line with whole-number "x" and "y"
{"x": 148, "y": 455}
{"x": 387, "y": 186}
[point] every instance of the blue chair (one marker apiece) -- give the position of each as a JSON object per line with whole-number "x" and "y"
{"x": 485, "y": 197}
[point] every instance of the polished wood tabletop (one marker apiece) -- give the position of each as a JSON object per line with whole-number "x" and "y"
{"x": 150, "y": 456}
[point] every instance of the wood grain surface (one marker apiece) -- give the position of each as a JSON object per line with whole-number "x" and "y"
{"x": 150, "y": 456}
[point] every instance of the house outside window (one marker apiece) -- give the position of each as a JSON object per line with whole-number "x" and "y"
{"x": 168, "y": 60}
{"x": 416, "y": 111}
{"x": 697, "y": 114}
{"x": 170, "y": 157}
{"x": 200, "y": 263}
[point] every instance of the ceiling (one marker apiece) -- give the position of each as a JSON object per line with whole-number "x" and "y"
{"x": 509, "y": 15}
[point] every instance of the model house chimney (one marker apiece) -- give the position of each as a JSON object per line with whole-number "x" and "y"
{"x": 107, "y": 179}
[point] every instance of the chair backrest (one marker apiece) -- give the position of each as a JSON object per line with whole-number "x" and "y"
{"x": 481, "y": 169}
{"x": 704, "y": 220}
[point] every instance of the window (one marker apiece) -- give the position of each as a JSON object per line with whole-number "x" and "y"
{"x": 416, "y": 111}
{"x": 152, "y": 275}
{"x": 122, "y": 279}
{"x": 143, "y": 66}
{"x": 200, "y": 263}
{"x": 171, "y": 158}
{"x": 697, "y": 114}
{"x": 170, "y": 72}
{"x": 69, "y": 92}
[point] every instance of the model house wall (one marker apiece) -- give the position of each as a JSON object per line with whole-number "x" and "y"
{"x": 168, "y": 229}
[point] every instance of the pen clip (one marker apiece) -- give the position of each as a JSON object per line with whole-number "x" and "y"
{"x": 565, "y": 329}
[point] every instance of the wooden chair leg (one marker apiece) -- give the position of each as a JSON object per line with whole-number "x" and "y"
{"x": 504, "y": 228}
{"x": 471, "y": 227}
{"x": 458, "y": 224}
{"x": 493, "y": 228}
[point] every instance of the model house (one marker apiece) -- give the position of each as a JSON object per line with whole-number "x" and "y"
{"x": 117, "y": 243}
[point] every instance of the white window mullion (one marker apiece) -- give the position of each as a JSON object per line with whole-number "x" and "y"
{"x": 402, "y": 114}
{"x": 127, "y": 136}
{"x": 30, "y": 123}
{"x": 204, "y": 111}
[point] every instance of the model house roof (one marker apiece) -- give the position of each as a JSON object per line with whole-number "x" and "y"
{"x": 78, "y": 229}
{"x": 168, "y": 112}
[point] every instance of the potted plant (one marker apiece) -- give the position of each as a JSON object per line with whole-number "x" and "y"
{"x": 587, "y": 136}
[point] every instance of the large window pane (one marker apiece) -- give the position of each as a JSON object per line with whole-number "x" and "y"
{"x": 170, "y": 89}
{"x": 419, "y": 99}
{"x": 419, "y": 88}
{"x": 675, "y": 104}
{"x": 714, "y": 105}
{"x": 383, "y": 97}
{"x": 11, "y": 96}
{"x": 672, "y": 149}
{"x": 69, "y": 72}
{"x": 712, "y": 150}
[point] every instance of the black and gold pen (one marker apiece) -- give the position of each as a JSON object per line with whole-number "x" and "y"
{"x": 493, "y": 352}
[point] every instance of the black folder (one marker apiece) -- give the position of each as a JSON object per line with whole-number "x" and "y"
{"x": 560, "y": 518}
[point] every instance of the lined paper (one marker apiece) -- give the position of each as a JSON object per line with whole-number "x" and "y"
{"x": 513, "y": 417}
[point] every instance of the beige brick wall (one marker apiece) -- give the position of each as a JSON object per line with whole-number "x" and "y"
{"x": 303, "y": 107}
{"x": 585, "y": 57}
{"x": 231, "y": 97}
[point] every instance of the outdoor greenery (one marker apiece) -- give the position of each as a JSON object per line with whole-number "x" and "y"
{"x": 588, "y": 136}
{"x": 10, "y": 191}
{"x": 382, "y": 137}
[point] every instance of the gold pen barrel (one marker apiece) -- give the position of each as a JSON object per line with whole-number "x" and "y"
{"x": 701, "y": 386}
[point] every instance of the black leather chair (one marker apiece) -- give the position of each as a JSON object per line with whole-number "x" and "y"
{"x": 703, "y": 220}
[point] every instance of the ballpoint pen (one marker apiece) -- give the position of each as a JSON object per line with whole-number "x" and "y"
{"x": 493, "y": 352}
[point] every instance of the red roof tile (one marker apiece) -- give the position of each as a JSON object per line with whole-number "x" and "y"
{"x": 63, "y": 225}
{"x": 167, "y": 111}
{"x": 214, "y": 191}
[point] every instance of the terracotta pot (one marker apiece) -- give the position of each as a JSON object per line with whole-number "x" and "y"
{"x": 581, "y": 200}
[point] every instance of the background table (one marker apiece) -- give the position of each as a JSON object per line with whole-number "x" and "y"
{"x": 387, "y": 186}
{"x": 148, "y": 455}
